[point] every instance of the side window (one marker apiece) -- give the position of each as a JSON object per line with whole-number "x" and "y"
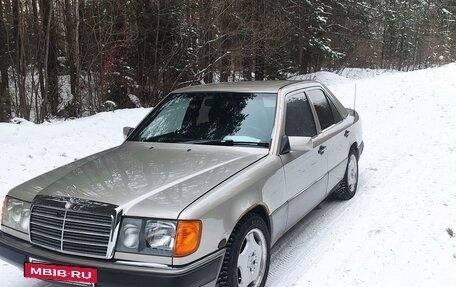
{"x": 336, "y": 115}
{"x": 322, "y": 107}
{"x": 299, "y": 118}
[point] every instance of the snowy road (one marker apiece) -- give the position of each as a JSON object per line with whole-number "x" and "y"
{"x": 393, "y": 233}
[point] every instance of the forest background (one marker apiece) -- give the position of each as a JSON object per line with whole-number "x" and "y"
{"x": 73, "y": 58}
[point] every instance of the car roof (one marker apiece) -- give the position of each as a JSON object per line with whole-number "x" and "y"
{"x": 243, "y": 87}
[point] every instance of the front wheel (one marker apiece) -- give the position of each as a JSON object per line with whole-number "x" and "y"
{"x": 247, "y": 256}
{"x": 349, "y": 184}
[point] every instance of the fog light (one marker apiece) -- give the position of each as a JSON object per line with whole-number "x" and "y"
{"x": 131, "y": 239}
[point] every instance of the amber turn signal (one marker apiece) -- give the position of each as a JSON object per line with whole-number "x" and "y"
{"x": 5, "y": 202}
{"x": 188, "y": 237}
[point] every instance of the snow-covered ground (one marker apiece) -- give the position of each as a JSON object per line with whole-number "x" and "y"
{"x": 393, "y": 233}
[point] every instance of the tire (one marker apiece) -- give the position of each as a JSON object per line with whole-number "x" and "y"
{"x": 349, "y": 184}
{"x": 246, "y": 262}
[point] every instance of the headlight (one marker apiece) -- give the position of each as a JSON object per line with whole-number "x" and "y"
{"x": 159, "y": 237}
{"x": 16, "y": 214}
{"x": 154, "y": 237}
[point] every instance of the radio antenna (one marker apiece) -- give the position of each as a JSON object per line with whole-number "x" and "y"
{"x": 354, "y": 100}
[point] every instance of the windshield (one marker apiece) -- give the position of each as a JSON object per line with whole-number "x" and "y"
{"x": 211, "y": 118}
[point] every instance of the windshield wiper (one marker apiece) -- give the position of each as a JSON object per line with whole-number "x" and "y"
{"x": 172, "y": 137}
{"x": 228, "y": 143}
{"x": 262, "y": 144}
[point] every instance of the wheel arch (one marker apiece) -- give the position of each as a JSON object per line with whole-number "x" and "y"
{"x": 259, "y": 209}
{"x": 354, "y": 147}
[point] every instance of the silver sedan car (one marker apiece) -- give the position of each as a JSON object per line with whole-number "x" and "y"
{"x": 196, "y": 195}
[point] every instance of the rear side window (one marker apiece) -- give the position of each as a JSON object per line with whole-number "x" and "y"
{"x": 322, "y": 107}
{"x": 299, "y": 117}
{"x": 336, "y": 115}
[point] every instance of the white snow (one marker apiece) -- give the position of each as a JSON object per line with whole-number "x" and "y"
{"x": 327, "y": 78}
{"x": 392, "y": 233}
{"x": 27, "y": 150}
{"x": 445, "y": 11}
{"x": 358, "y": 74}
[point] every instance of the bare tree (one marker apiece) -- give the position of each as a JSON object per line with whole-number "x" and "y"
{"x": 5, "y": 98}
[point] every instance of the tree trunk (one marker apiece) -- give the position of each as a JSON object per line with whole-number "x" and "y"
{"x": 207, "y": 57}
{"x": 40, "y": 104}
{"x": 260, "y": 45}
{"x": 19, "y": 33}
{"x": 51, "y": 80}
{"x": 72, "y": 33}
{"x": 5, "y": 98}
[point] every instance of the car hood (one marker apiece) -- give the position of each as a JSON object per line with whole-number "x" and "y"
{"x": 144, "y": 179}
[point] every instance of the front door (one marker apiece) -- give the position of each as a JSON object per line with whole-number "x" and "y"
{"x": 305, "y": 169}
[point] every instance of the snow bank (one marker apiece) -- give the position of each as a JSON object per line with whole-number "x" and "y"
{"x": 27, "y": 150}
{"x": 393, "y": 233}
{"x": 359, "y": 74}
{"x": 326, "y": 78}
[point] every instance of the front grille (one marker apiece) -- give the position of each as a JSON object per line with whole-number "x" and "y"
{"x": 71, "y": 231}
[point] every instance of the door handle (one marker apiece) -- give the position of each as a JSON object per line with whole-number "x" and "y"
{"x": 322, "y": 149}
{"x": 347, "y": 132}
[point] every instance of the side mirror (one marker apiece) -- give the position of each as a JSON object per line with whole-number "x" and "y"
{"x": 127, "y": 131}
{"x": 301, "y": 143}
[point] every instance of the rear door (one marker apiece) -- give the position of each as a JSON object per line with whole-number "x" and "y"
{"x": 334, "y": 134}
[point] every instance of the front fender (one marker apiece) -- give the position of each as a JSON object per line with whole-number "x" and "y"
{"x": 220, "y": 210}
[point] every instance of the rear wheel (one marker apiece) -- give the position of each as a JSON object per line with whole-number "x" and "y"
{"x": 247, "y": 256}
{"x": 349, "y": 184}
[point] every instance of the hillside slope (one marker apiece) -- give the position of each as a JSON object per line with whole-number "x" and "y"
{"x": 393, "y": 233}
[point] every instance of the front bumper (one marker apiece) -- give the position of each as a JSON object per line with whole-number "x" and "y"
{"x": 115, "y": 274}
